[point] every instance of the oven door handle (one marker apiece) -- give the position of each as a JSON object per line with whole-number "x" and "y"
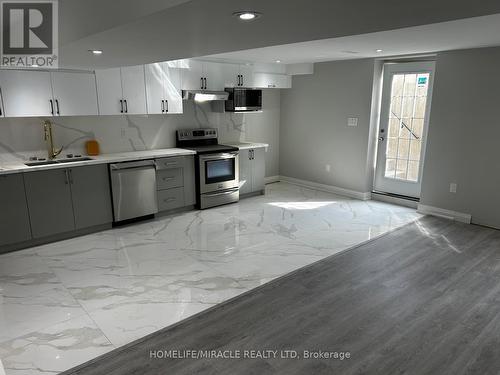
{"x": 221, "y": 193}
{"x": 218, "y": 157}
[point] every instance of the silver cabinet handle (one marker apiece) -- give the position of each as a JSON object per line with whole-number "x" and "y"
{"x": 168, "y": 178}
{"x": 223, "y": 193}
{"x": 162, "y": 106}
{"x": 169, "y": 200}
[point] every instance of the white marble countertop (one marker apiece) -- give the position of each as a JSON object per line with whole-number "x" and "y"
{"x": 19, "y": 167}
{"x": 246, "y": 145}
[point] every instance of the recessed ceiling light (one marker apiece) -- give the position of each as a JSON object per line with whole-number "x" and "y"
{"x": 247, "y": 15}
{"x": 379, "y": 50}
{"x": 96, "y": 51}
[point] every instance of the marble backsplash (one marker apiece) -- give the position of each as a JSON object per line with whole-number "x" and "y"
{"x": 21, "y": 138}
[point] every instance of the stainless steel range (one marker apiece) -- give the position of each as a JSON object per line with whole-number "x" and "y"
{"x": 216, "y": 165}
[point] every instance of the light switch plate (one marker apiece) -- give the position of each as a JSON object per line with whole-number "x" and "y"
{"x": 352, "y": 121}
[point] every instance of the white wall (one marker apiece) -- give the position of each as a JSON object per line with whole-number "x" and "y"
{"x": 21, "y": 138}
{"x": 464, "y": 135}
{"x": 314, "y": 132}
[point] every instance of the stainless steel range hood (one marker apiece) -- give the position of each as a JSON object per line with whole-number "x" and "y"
{"x": 204, "y": 95}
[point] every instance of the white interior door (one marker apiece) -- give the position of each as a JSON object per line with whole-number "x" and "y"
{"x": 404, "y": 119}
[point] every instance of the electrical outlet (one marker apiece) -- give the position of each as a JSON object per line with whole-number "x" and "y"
{"x": 352, "y": 121}
{"x": 453, "y": 187}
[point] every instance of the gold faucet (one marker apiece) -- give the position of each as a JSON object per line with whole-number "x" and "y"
{"x": 47, "y": 128}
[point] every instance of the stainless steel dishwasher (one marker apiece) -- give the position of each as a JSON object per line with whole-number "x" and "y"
{"x": 134, "y": 189}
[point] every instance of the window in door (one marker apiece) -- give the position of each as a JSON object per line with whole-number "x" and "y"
{"x": 406, "y": 126}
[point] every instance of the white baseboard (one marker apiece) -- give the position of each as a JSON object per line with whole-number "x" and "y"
{"x": 328, "y": 188}
{"x": 271, "y": 179}
{"x": 447, "y": 214}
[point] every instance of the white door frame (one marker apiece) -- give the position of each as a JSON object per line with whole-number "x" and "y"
{"x": 390, "y": 185}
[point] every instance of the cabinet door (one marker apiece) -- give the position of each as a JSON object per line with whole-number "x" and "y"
{"x": 246, "y": 72}
{"x": 26, "y": 93}
{"x": 74, "y": 94}
{"x": 14, "y": 218}
{"x": 109, "y": 91}
{"x": 134, "y": 90}
{"x": 258, "y": 169}
{"x": 245, "y": 172}
{"x": 49, "y": 201}
{"x": 270, "y": 80}
{"x": 214, "y": 73}
{"x": 172, "y": 86}
{"x": 91, "y": 196}
{"x": 155, "y": 91}
{"x": 192, "y": 72}
{"x": 231, "y": 75}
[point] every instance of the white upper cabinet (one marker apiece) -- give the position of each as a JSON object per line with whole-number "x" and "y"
{"x": 134, "y": 90}
{"x": 214, "y": 76}
{"x": 109, "y": 91}
{"x": 74, "y": 94}
{"x": 163, "y": 88}
{"x": 121, "y": 90}
{"x": 246, "y": 75}
{"x": 192, "y": 75}
{"x": 26, "y": 93}
{"x": 272, "y": 80}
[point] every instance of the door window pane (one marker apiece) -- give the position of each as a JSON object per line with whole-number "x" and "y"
{"x": 405, "y": 125}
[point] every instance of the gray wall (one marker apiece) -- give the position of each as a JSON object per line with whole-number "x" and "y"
{"x": 314, "y": 131}
{"x": 21, "y": 138}
{"x": 464, "y": 135}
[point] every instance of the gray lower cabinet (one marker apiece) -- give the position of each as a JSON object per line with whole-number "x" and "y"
{"x": 91, "y": 196}
{"x": 14, "y": 217}
{"x": 62, "y": 200}
{"x": 252, "y": 170}
{"x": 175, "y": 182}
{"x": 49, "y": 201}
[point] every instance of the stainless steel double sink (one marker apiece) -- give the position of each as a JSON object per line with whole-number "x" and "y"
{"x": 60, "y": 161}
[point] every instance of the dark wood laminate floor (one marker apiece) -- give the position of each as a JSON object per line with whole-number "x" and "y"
{"x": 424, "y": 299}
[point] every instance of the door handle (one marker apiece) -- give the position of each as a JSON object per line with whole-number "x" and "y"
{"x": 121, "y": 106}
{"x": 51, "y": 106}
{"x": 57, "y": 107}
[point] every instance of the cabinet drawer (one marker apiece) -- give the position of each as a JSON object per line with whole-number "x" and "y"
{"x": 169, "y": 178}
{"x": 169, "y": 163}
{"x": 170, "y": 199}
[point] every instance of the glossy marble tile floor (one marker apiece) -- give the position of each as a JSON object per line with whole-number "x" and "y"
{"x": 64, "y": 303}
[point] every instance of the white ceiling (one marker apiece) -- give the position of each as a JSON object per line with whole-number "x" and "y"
{"x": 136, "y": 32}
{"x": 462, "y": 34}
